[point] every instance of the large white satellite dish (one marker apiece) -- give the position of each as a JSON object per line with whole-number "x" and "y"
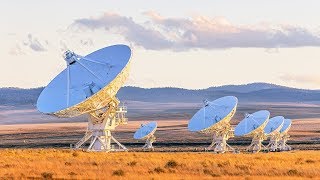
{"x": 146, "y": 132}
{"x": 89, "y": 84}
{"x": 272, "y": 130}
{"x": 284, "y": 136}
{"x": 214, "y": 118}
{"x": 253, "y": 126}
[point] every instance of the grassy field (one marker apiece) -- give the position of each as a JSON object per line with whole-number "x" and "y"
{"x": 53, "y": 163}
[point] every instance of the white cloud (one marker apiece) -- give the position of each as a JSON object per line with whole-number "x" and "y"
{"x": 35, "y": 44}
{"x": 130, "y": 30}
{"x": 199, "y": 32}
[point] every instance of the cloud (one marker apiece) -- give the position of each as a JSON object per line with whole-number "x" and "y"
{"x": 301, "y": 79}
{"x": 16, "y": 51}
{"x": 86, "y": 42}
{"x": 199, "y": 32}
{"x": 130, "y": 30}
{"x": 34, "y": 44}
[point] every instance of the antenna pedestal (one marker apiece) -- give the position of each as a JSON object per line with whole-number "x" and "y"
{"x": 149, "y": 142}
{"x": 256, "y": 143}
{"x": 273, "y": 143}
{"x": 100, "y": 125}
{"x": 219, "y": 142}
{"x": 283, "y": 146}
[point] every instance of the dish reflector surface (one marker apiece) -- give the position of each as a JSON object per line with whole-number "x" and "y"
{"x": 286, "y": 125}
{"x": 252, "y": 122}
{"x": 274, "y": 124}
{"x": 145, "y": 130}
{"x": 212, "y": 113}
{"x": 84, "y": 78}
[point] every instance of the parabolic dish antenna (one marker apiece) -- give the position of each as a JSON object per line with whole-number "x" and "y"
{"x": 253, "y": 126}
{"x": 284, "y": 136}
{"x": 286, "y": 126}
{"x": 214, "y": 118}
{"x": 274, "y": 125}
{"x": 146, "y": 131}
{"x": 89, "y": 84}
{"x": 272, "y": 130}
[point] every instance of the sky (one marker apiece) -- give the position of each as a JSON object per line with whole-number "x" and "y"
{"x": 177, "y": 43}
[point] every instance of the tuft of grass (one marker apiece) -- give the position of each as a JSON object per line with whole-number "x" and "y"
{"x": 223, "y": 164}
{"x": 211, "y": 173}
{"x": 118, "y": 172}
{"x": 132, "y": 163}
{"x": 7, "y": 166}
{"x": 75, "y": 154}
{"x": 204, "y": 164}
{"x": 293, "y": 172}
{"x": 310, "y": 161}
{"x": 171, "y": 164}
{"x": 47, "y": 175}
{"x": 72, "y": 173}
{"x": 242, "y": 167}
{"x": 159, "y": 170}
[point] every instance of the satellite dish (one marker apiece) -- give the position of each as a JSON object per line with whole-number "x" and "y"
{"x": 89, "y": 84}
{"x": 286, "y": 126}
{"x": 253, "y": 126}
{"x": 214, "y": 118}
{"x": 274, "y": 125}
{"x": 272, "y": 129}
{"x": 284, "y": 136}
{"x": 146, "y": 132}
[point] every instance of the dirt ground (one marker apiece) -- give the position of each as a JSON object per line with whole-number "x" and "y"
{"x": 25, "y": 127}
{"x": 171, "y": 134}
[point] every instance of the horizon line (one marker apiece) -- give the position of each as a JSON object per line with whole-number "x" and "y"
{"x": 244, "y": 84}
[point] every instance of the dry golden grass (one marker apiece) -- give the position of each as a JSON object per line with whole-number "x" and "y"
{"x": 52, "y": 163}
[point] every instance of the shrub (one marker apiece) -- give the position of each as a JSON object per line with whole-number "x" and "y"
{"x": 75, "y": 154}
{"x": 159, "y": 170}
{"x": 293, "y": 172}
{"x": 309, "y": 161}
{"x": 118, "y": 172}
{"x": 132, "y": 163}
{"x": 47, "y": 175}
{"x": 171, "y": 164}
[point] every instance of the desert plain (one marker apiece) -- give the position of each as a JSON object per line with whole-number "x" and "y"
{"x": 38, "y": 146}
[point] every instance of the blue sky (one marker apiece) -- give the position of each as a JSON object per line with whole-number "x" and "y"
{"x": 189, "y": 44}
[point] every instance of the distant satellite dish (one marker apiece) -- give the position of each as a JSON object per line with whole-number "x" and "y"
{"x": 274, "y": 125}
{"x": 89, "y": 84}
{"x": 284, "y": 136}
{"x": 146, "y": 132}
{"x": 214, "y": 118}
{"x": 286, "y": 126}
{"x": 253, "y": 126}
{"x": 272, "y": 129}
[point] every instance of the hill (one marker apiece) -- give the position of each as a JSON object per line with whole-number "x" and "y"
{"x": 255, "y": 92}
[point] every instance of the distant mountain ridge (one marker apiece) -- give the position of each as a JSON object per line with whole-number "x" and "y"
{"x": 254, "y": 92}
{"x": 245, "y": 88}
